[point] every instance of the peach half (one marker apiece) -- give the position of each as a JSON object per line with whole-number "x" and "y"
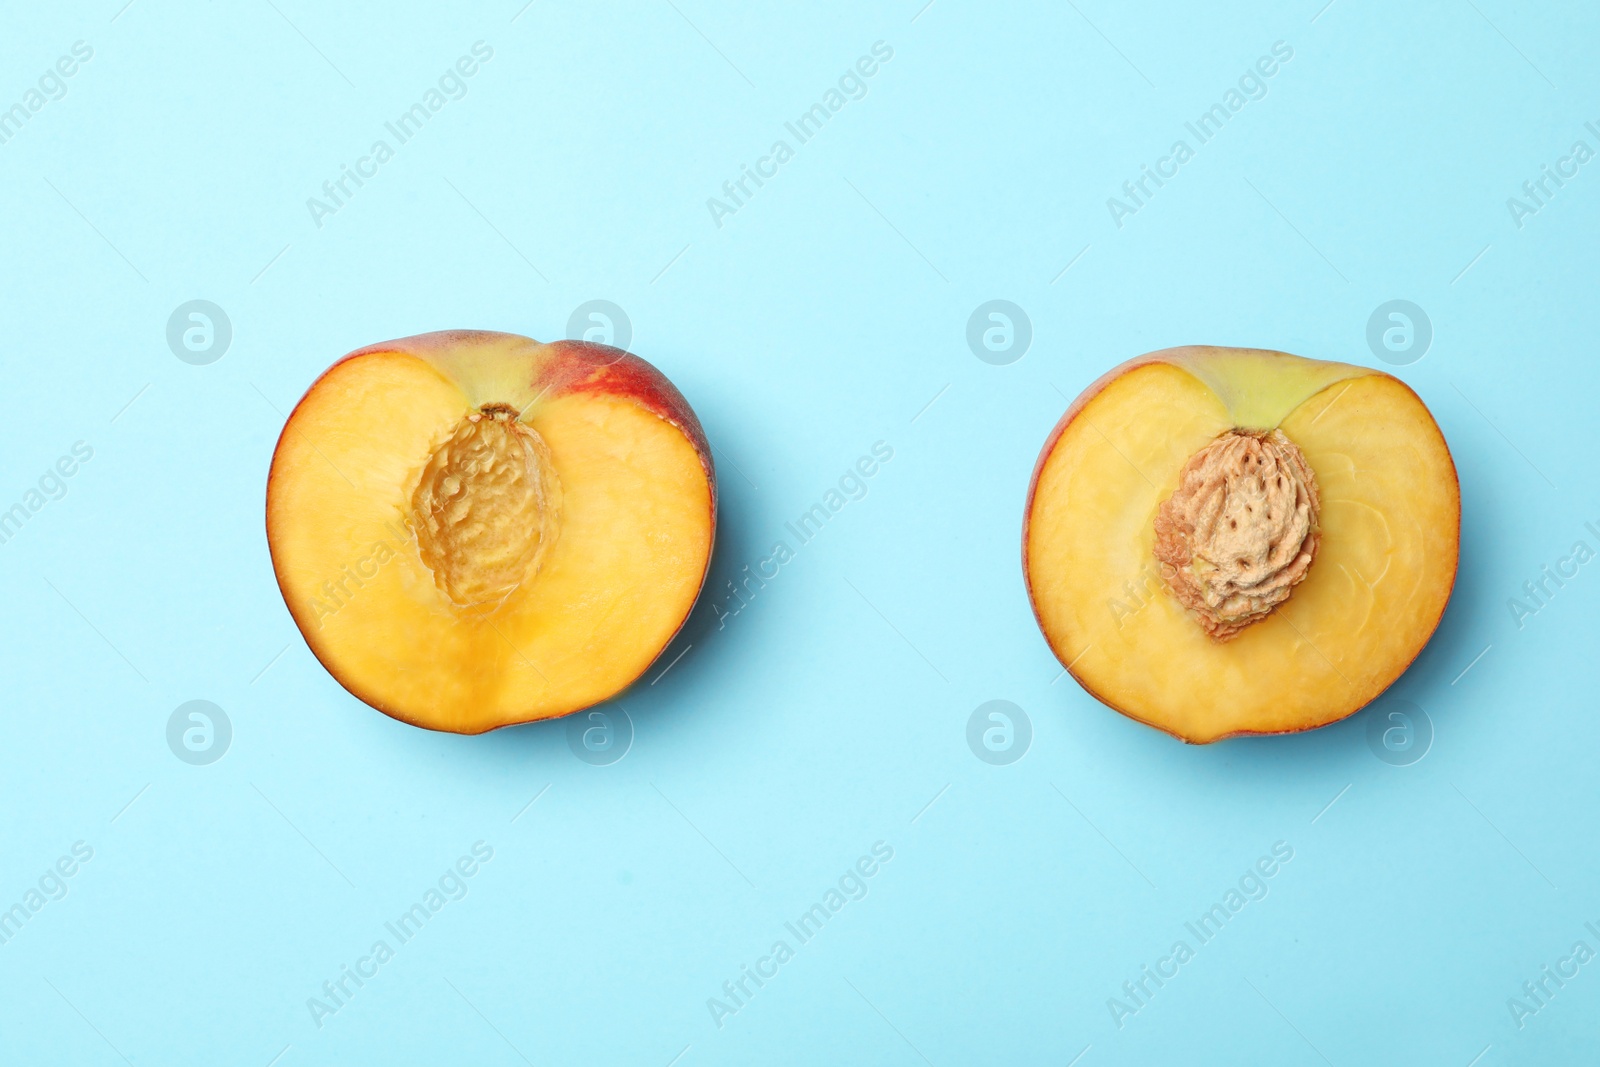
{"x": 1224, "y": 541}
{"x": 474, "y": 529}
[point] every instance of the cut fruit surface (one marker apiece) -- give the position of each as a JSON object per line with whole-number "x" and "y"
{"x": 1337, "y": 568}
{"x": 475, "y": 529}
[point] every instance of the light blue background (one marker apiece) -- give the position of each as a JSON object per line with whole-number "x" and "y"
{"x": 822, "y": 317}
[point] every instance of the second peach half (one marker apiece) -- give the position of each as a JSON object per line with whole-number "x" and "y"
{"x": 1223, "y": 541}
